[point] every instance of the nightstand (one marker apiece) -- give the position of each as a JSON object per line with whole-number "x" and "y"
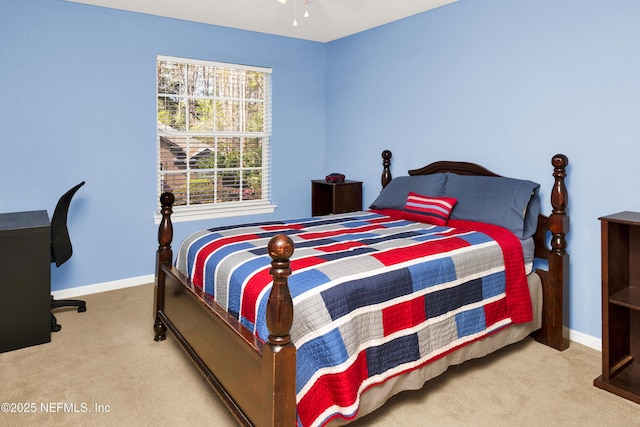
{"x": 332, "y": 198}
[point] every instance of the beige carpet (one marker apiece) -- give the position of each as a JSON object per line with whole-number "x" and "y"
{"x": 105, "y": 366}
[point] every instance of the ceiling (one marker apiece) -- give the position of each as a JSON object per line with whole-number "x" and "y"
{"x": 328, "y": 19}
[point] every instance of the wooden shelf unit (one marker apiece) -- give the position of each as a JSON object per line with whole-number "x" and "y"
{"x": 620, "y": 235}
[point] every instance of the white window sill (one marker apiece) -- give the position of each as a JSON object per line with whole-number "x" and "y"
{"x": 197, "y": 213}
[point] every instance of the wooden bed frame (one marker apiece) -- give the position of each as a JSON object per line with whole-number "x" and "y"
{"x": 256, "y": 380}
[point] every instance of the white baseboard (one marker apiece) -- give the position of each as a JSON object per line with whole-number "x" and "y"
{"x": 578, "y": 337}
{"x": 584, "y": 339}
{"x": 102, "y": 287}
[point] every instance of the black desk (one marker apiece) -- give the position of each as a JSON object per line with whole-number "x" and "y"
{"x": 25, "y": 279}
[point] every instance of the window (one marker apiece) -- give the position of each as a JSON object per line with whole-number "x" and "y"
{"x": 214, "y": 124}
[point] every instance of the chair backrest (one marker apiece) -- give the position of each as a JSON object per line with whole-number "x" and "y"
{"x": 61, "y": 248}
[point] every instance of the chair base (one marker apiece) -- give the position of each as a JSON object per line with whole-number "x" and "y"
{"x": 82, "y": 307}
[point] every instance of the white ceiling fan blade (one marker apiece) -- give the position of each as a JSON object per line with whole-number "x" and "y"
{"x": 305, "y": 1}
{"x": 285, "y": 1}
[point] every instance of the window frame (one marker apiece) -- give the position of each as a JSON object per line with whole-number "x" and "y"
{"x": 214, "y": 210}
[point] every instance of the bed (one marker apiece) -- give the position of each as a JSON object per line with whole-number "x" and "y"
{"x": 371, "y": 319}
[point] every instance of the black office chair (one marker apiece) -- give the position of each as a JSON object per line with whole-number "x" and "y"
{"x": 61, "y": 249}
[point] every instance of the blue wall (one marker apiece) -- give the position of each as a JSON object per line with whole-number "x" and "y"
{"x": 503, "y": 83}
{"x": 78, "y": 87}
{"x": 507, "y": 84}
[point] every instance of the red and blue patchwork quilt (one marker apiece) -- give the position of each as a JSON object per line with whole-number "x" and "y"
{"x": 375, "y": 295}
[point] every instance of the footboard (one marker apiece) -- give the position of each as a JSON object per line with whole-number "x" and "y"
{"x": 256, "y": 381}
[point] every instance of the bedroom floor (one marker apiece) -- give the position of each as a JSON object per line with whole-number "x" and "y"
{"x": 104, "y": 369}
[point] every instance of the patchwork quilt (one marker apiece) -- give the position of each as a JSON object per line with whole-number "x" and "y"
{"x": 374, "y": 295}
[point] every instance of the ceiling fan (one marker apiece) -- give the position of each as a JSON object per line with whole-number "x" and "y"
{"x": 285, "y": 1}
{"x": 306, "y": 12}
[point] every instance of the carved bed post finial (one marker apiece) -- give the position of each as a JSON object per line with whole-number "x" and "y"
{"x": 280, "y": 305}
{"x": 165, "y": 230}
{"x": 386, "y": 171}
{"x": 558, "y": 220}
{"x": 164, "y": 256}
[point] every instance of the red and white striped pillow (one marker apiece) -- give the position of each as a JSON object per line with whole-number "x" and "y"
{"x": 434, "y": 210}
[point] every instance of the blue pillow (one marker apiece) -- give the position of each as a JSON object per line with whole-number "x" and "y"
{"x": 510, "y": 203}
{"x": 394, "y": 195}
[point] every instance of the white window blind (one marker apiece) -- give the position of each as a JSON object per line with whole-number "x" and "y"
{"x": 214, "y": 125}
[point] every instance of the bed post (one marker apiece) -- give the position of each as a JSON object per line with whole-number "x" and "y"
{"x": 279, "y": 355}
{"x": 386, "y": 171}
{"x": 164, "y": 255}
{"x": 555, "y": 318}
